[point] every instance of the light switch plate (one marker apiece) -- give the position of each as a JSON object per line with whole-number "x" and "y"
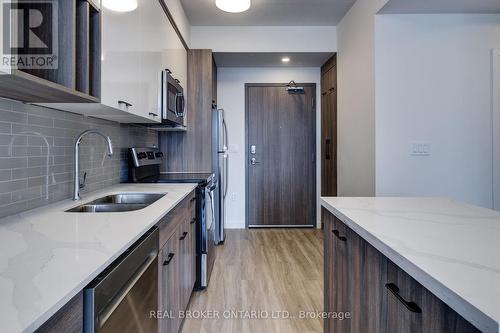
{"x": 420, "y": 149}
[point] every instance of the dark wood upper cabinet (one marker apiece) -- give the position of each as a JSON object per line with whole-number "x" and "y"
{"x": 379, "y": 296}
{"x": 329, "y": 128}
{"x": 191, "y": 150}
{"x": 68, "y": 49}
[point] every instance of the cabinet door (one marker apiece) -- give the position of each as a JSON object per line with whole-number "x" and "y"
{"x": 154, "y": 48}
{"x": 185, "y": 248}
{"x": 374, "y": 295}
{"x": 354, "y": 279}
{"x": 328, "y": 132}
{"x": 329, "y": 283}
{"x": 170, "y": 296}
{"x": 192, "y": 255}
{"x": 121, "y": 60}
{"x": 161, "y": 49}
{"x": 342, "y": 288}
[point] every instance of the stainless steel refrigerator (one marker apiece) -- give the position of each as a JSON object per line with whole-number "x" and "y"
{"x": 220, "y": 165}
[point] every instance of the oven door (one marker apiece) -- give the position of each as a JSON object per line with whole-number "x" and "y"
{"x": 205, "y": 236}
{"x": 173, "y": 101}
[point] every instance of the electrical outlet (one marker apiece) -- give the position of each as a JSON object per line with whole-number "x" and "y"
{"x": 234, "y": 197}
{"x": 420, "y": 149}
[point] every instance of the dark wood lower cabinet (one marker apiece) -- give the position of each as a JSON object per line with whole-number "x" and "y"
{"x": 170, "y": 291}
{"x": 377, "y": 295}
{"x": 176, "y": 264}
{"x": 69, "y": 319}
{"x": 413, "y": 308}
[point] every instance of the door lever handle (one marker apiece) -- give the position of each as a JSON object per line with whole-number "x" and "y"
{"x": 253, "y": 161}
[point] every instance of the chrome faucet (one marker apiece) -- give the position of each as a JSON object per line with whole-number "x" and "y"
{"x": 76, "y": 184}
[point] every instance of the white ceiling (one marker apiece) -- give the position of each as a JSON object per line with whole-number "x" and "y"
{"x": 271, "y": 59}
{"x": 441, "y": 6}
{"x": 269, "y": 13}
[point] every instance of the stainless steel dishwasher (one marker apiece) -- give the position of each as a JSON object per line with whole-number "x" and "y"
{"x": 123, "y": 297}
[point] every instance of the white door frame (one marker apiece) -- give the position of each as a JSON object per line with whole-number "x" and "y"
{"x": 495, "y": 102}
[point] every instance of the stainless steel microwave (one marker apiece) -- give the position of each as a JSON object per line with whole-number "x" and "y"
{"x": 173, "y": 103}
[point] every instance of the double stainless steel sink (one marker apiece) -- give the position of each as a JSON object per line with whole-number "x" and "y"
{"x": 121, "y": 202}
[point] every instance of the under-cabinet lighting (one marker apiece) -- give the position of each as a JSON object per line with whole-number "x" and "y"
{"x": 285, "y": 59}
{"x": 233, "y": 6}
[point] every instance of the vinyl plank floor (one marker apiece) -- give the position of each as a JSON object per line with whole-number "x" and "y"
{"x": 273, "y": 272}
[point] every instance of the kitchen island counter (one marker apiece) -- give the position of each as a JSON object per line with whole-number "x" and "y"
{"x": 451, "y": 248}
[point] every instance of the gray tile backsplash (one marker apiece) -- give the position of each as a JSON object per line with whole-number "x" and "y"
{"x": 36, "y": 154}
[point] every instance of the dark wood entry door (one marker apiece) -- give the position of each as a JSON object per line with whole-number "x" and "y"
{"x": 281, "y": 161}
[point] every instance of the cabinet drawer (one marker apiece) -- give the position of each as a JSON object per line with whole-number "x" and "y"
{"x": 413, "y": 308}
{"x": 183, "y": 212}
{"x": 378, "y": 294}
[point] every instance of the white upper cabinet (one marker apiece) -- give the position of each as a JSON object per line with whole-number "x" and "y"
{"x": 136, "y": 46}
{"x": 124, "y": 85}
{"x": 162, "y": 49}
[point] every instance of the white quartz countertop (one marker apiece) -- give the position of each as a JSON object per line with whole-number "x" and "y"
{"x": 47, "y": 255}
{"x": 451, "y": 248}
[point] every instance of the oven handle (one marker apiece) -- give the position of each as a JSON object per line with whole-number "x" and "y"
{"x": 111, "y": 307}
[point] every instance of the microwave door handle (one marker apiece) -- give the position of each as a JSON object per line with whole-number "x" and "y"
{"x": 183, "y": 99}
{"x": 177, "y": 113}
{"x": 160, "y": 93}
{"x": 181, "y": 96}
{"x": 164, "y": 93}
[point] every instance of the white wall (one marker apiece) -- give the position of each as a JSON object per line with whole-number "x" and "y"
{"x": 264, "y": 39}
{"x": 433, "y": 85}
{"x": 231, "y": 97}
{"x": 356, "y": 99}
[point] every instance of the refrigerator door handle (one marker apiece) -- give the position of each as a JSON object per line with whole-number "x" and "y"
{"x": 226, "y": 156}
{"x": 226, "y": 176}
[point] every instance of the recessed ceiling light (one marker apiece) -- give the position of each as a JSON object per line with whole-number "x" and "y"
{"x": 233, "y": 6}
{"x": 120, "y": 5}
{"x": 285, "y": 59}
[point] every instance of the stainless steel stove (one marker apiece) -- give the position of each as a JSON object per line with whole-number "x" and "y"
{"x": 144, "y": 167}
